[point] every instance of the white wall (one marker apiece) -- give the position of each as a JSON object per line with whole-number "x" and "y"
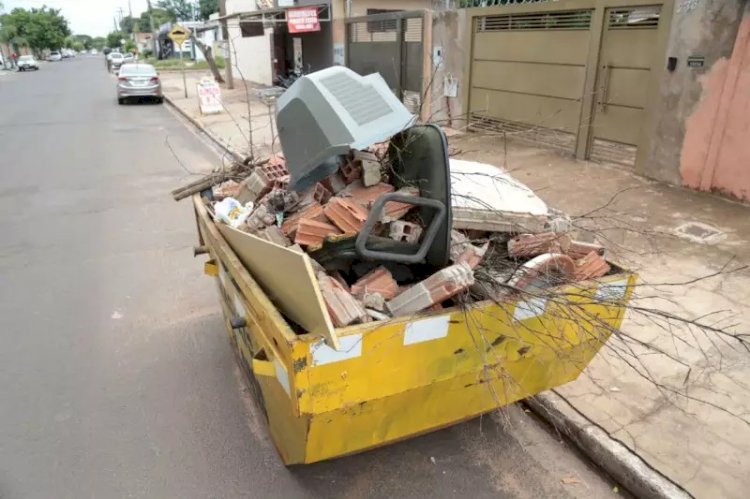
{"x": 241, "y": 6}
{"x": 251, "y": 56}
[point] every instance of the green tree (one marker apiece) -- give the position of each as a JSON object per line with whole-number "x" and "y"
{"x": 160, "y": 16}
{"x": 206, "y": 8}
{"x": 98, "y": 43}
{"x": 39, "y": 29}
{"x": 114, "y": 39}
{"x": 182, "y": 10}
{"x": 129, "y": 24}
{"x": 86, "y": 40}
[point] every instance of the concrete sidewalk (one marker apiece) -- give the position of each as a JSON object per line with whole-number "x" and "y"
{"x": 683, "y": 410}
{"x": 232, "y": 126}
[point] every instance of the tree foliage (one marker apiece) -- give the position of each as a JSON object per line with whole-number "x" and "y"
{"x": 128, "y": 24}
{"x": 182, "y": 10}
{"x": 98, "y": 43}
{"x": 86, "y": 40}
{"x": 160, "y": 17}
{"x": 206, "y": 8}
{"x": 114, "y": 39}
{"x": 39, "y": 28}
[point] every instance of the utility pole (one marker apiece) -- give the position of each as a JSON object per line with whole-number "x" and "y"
{"x": 228, "y": 48}
{"x": 153, "y": 29}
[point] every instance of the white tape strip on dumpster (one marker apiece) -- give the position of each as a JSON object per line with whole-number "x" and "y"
{"x": 613, "y": 291}
{"x": 350, "y": 347}
{"x": 282, "y": 376}
{"x": 426, "y": 330}
{"x": 527, "y": 309}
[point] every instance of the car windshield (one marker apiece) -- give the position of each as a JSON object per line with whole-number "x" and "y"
{"x": 137, "y": 70}
{"x": 25, "y": 58}
{"x": 55, "y": 53}
{"x": 116, "y": 55}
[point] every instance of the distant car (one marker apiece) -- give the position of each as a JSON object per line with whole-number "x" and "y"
{"x": 93, "y": 52}
{"x": 54, "y": 56}
{"x": 127, "y": 58}
{"x": 26, "y": 62}
{"x": 116, "y": 59}
{"x": 137, "y": 81}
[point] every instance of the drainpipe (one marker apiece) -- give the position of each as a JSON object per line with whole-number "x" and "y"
{"x": 349, "y": 8}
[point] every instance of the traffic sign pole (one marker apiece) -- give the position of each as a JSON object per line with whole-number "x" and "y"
{"x": 178, "y": 34}
{"x": 182, "y": 63}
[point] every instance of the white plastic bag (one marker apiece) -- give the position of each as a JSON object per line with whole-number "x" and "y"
{"x": 232, "y": 212}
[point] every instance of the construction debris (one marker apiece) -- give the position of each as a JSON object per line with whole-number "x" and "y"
{"x": 500, "y": 230}
{"x": 346, "y": 215}
{"x": 591, "y": 266}
{"x": 405, "y": 231}
{"x": 435, "y": 289}
{"x": 312, "y": 233}
{"x": 537, "y": 244}
{"x": 380, "y": 281}
{"x": 343, "y": 308}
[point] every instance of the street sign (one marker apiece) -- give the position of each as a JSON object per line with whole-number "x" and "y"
{"x": 179, "y": 34}
{"x": 209, "y": 96}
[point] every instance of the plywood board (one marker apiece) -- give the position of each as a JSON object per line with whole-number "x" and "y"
{"x": 288, "y": 279}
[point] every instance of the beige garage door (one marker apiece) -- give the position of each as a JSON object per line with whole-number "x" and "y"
{"x": 528, "y": 72}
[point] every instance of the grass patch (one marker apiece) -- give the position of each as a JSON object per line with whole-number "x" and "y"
{"x": 174, "y": 64}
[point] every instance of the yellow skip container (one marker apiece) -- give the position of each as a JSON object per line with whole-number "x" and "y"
{"x": 396, "y": 379}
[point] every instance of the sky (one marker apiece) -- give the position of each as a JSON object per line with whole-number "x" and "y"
{"x": 85, "y": 17}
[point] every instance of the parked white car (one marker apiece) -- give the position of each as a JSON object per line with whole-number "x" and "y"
{"x": 27, "y": 62}
{"x": 54, "y": 56}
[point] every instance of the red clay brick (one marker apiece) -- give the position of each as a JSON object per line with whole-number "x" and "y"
{"x": 313, "y": 211}
{"x": 351, "y": 170}
{"x": 342, "y": 307}
{"x": 591, "y": 266}
{"x": 317, "y": 193}
{"x": 378, "y": 280}
{"x": 365, "y": 196}
{"x": 312, "y": 233}
{"x": 473, "y": 255}
{"x": 537, "y": 244}
{"x": 579, "y": 249}
{"x": 345, "y": 214}
{"x": 261, "y": 181}
{"x": 393, "y": 210}
{"x": 435, "y": 289}
{"x": 550, "y": 267}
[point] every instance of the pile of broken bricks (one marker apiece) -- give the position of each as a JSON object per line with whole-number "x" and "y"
{"x": 338, "y": 207}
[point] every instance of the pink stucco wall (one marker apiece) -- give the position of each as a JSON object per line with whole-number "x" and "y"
{"x": 716, "y": 151}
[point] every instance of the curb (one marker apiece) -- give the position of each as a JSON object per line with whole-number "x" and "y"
{"x": 625, "y": 466}
{"x": 208, "y": 133}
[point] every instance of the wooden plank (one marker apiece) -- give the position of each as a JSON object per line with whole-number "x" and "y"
{"x": 262, "y": 310}
{"x": 287, "y": 278}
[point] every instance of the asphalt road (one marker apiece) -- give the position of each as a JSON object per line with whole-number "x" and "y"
{"x": 116, "y": 377}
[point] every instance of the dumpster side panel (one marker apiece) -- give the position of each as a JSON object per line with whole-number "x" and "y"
{"x": 380, "y": 361}
{"x": 440, "y": 404}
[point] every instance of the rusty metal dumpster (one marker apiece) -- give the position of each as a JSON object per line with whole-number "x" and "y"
{"x": 391, "y": 380}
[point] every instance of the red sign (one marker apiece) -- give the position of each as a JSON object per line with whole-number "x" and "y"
{"x": 302, "y": 19}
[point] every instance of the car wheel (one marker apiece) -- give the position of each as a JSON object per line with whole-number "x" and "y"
{"x": 160, "y": 100}
{"x": 121, "y": 101}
